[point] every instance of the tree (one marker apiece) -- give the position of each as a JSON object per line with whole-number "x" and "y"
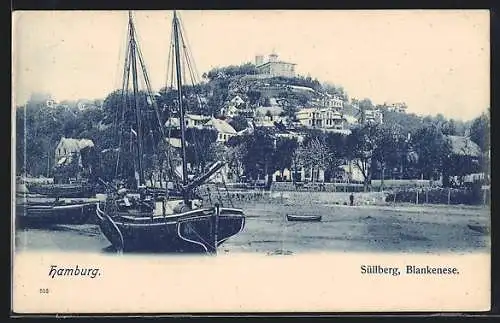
{"x": 337, "y": 145}
{"x": 480, "y": 132}
{"x": 234, "y": 157}
{"x": 314, "y": 155}
{"x": 431, "y": 148}
{"x": 285, "y": 149}
{"x": 363, "y": 105}
{"x": 361, "y": 144}
{"x": 259, "y": 158}
{"x": 199, "y": 151}
{"x": 231, "y": 70}
{"x": 386, "y": 150}
{"x": 335, "y": 90}
{"x": 253, "y": 97}
{"x": 449, "y": 128}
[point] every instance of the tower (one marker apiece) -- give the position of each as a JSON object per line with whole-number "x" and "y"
{"x": 273, "y": 57}
{"x": 259, "y": 60}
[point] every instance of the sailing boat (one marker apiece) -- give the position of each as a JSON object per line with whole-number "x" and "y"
{"x": 146, "y": 222}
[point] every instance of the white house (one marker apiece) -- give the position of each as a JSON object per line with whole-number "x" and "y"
{"x": 374, "y": 115}
{"x": 190, "y": 120}
{"x": 230, "y": 111}
{"x": 224, "y": 130}
{"x": 327, "y": 119}
{"x": 333, "y": 101}
{"x": 68, "y": 148}
{"x": 236, "y": 101}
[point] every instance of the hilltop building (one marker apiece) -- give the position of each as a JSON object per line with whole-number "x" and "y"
{"x": 397, "y": 107}
{"x": 274, "y": 67}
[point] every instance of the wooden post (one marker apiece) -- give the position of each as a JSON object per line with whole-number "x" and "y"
{"x": 416, "y": 200}
{"x": 449, "y": 196}
{"x": 426, "y": 196}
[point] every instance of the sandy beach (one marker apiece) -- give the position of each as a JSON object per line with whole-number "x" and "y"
{"x": 371, "y": 225}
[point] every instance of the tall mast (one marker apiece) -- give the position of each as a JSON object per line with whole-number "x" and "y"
{"x": 136, "y": 98}
{"x": 179, "y": 92}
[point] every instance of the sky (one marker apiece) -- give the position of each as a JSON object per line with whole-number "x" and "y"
{"x": 436, "y": 61}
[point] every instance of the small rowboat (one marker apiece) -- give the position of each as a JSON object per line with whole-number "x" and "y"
{"x": 304, "y": 218}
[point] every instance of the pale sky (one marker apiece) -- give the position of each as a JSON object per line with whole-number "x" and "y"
{"x": 435, "y": 61}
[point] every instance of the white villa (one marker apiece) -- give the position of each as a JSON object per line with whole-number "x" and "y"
{"x": 190, "y": 120}
{"x": 224, "y": 130}
{"x": 327, "y": 119}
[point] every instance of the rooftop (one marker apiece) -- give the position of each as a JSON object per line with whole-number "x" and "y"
{"x": 464, "y": 146}
{"x": 221, "y": 126}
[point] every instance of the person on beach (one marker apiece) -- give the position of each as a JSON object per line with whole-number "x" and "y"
{"x": 351, "y": 199}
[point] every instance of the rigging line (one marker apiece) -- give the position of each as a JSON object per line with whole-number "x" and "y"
{"x": 189, "y": 61}
{"x": 170, "y": 46}
{"x": 209, "y": 195}
{"x": 188, "y": 46}
{"x": 138, "y": 111}
{"x": 125, "y": 70}
{"x": 173, "y": 55}
{"x": 149, "y": 89}
{"x": 120, "y": 52}
{"x": 193, "y": 79}
{"x": 227, "y": 191}
{"x": 219, "y": 196}
{"x": 172, "y": 67}
{"x": 124, "y": 97}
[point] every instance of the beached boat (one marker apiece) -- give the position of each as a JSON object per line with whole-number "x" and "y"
{"x": 40, "y": 211}
{"x": 145, "y": 222}
{"x": 63, "y": 190}
{"x": 304, "y": 218}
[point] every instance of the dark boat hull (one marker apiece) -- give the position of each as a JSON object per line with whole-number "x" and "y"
{"x": 191, "y": 231}
{"x": 33, "y": 214}
{"x": 303, "y": 218}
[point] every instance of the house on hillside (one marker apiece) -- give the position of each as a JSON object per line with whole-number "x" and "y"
{"x": 237, "y": 101}
{"x": 333, "y": 101}
{"x": 374, "y": 116}
{"x": 326, "y": 119}
{"x": 68, "y": 152}
{"x": 266, "y": 116}
{"x": 274, "y": 67}
{"x": 190, "y": 120}
{"x": 224, "y": 130}
{"x": 396, "y": 107}
{"x": 229, "y": 111}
